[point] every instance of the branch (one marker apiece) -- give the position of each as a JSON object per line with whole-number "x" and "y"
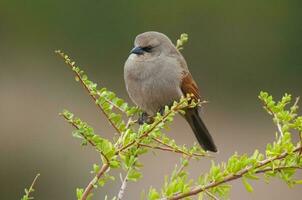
{"x": 277, "y": 120}
{"x": 178, "y": 150}
{"x": 295, "y": 105}
{"x": 91, "y": 184}
{"x": 171, "y": 149}
{"x": 274, "y": 117}
{"x": 277, "y": 169}
{"x": 162, "y": 148}
{"x": 90, "y": 142}
{"x": 182, "y": 166}
{"x": 78, "y": 75}
{"x": 130, "y": 122}
{"x": 232, "y": 177}
{"x": 103, "y": 169}
{"x": 211, "y": 195}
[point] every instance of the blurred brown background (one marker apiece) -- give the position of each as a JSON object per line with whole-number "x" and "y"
{"x": 236, "y": 48}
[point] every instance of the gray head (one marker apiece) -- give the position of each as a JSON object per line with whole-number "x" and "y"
{"x": 150, "y": 44}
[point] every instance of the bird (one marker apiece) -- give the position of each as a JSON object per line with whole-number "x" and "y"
{"x": 156, "y": 74}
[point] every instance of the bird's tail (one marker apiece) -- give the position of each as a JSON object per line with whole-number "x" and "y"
{"x": 200, "y": 130}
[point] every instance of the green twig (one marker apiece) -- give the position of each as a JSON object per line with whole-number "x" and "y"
{"x": 30, "y": 190}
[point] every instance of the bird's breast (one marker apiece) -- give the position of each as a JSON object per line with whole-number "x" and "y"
{"x": 152, "y": 85}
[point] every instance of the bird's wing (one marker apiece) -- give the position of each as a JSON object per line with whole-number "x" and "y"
{"x": 189, "y": 86}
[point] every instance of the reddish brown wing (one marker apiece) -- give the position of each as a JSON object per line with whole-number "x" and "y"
{"x": 189, "y": 86}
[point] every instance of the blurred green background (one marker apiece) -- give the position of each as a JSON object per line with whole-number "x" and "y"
{"x": 236, "y": 48}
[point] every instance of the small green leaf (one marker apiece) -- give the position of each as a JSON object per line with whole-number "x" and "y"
{"x": 79, "y": 192}
{"x": 153, "y": 194}
{"x": 114, "y": 164}
{"x": 298, "y": 181}
{"x": 246, "y": 184}
{"x": 134, "y": 175}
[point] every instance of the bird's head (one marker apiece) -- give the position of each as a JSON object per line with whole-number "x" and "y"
{"x": 152, "y": 44}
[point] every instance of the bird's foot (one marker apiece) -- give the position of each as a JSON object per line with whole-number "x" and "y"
{"x": 162, "y": 111}
{"x": 143, "y": 118}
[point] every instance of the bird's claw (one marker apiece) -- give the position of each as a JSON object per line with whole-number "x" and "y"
{"x": 162, "y": 111}
{"x": 143, "y": 118}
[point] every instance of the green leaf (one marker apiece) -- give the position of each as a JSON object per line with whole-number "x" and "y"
{"x": 298, "y": 181}
{"x": 134, "y": 175}
{"x": 96, "y": 168}
{"x": 114, "y": 164}
{"x": 251, "y": 176}
{"x": 246, "y": 184}
{"x": 79, "y": 192}
{"x": 153, "y": 194}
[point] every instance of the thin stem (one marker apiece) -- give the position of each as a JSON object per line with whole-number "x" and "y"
{"x": 90, "y": 185}
{"x": 182, "y": 167}
{"x": 277, "y": 169}
{"x": 232, "y": 177}
{"x": 123, "y": 187}
{"x": 279, "y": 127}
{"x": 211, "y": 195}
{"x": 130, "y": 122}
{"x": 34, "y": 182}
{"x": 178, "y": 150}
{"x": 169, "y": 150}
{"x": 295, "y": 104}
{"x": 31, "y": 188}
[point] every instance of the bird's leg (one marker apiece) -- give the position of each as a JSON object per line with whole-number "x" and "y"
{"x": 143, "y": 118}
{"x": 162, "y": 110}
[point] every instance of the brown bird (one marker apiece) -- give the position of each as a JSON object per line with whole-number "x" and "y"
{"x": 156, "y": 75}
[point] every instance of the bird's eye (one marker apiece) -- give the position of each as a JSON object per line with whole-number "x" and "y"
{"x": 147, "y": 49}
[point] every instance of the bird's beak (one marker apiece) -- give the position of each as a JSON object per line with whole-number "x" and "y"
{"x": 137, "y": 50}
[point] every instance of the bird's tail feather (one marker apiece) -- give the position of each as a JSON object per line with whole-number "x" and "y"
{"x": 200, "y": 130}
